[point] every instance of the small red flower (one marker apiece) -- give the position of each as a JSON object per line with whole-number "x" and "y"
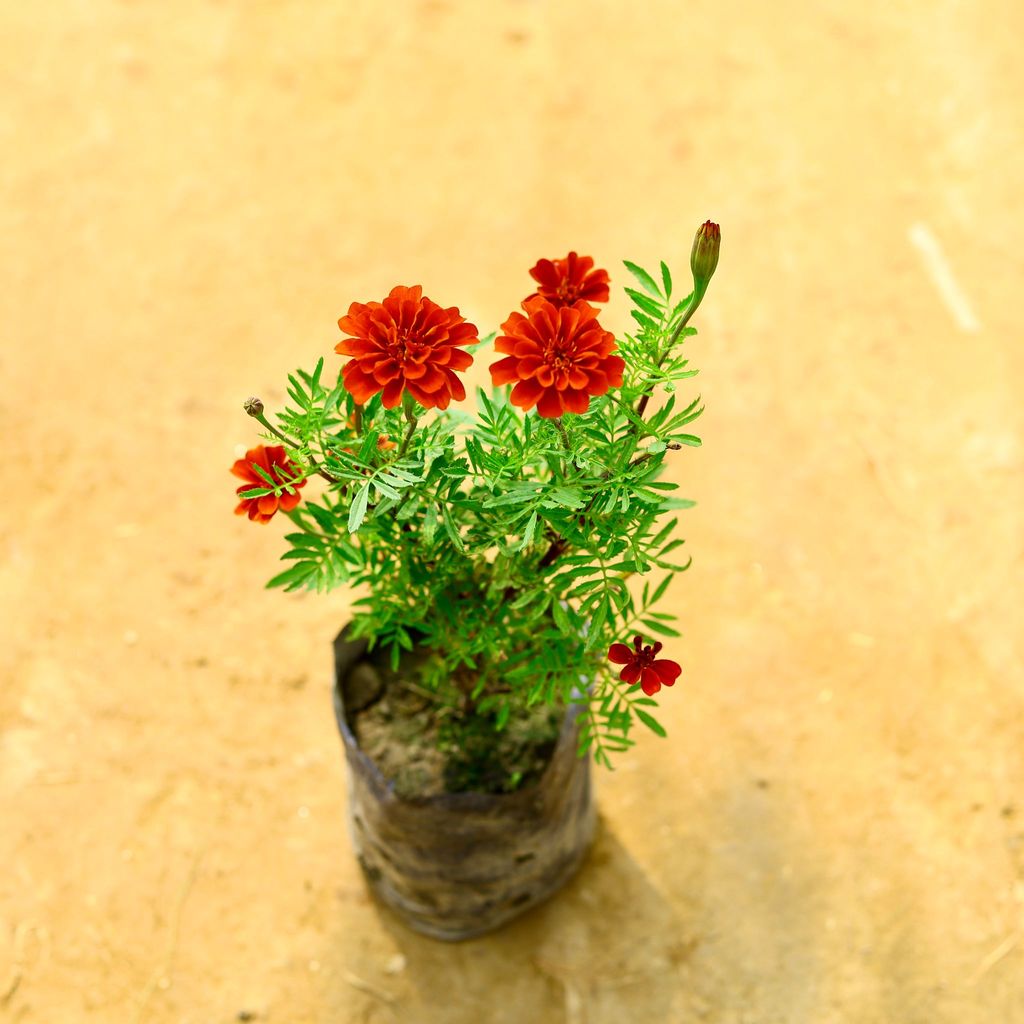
{"x": 642, "y": 668}
{"x": 273, "y": 461}
{"x": 559, "y": 357}
{"x": 405, "y": 343}
{"x": 563, "y": 282}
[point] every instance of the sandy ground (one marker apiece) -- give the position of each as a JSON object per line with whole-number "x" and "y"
{"x": 193, "y": 192}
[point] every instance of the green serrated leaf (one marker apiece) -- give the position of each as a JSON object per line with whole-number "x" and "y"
{"x": 560, "y": 616}
{"x": 659, "y": 590}
{"x": 646, "y": 304}
{"x": 564, "y": 497}
{"x": 666, "y": 278}
{"x": 357, "y": 513}
{"x": 263, "y": 474}
{"x": 644, "y": 321}
{"x": 451, "y": 529}
{"x": 529, "y": 532}
{"x": 294, "y": 576}
{"x": 660, "y": 628}
{"x": 652, "y": 723}
{"x": 645, "y": 279}
{"x": 384, "y": 489}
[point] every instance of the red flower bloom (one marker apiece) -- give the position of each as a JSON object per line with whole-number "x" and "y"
{"x": 562, "y": 282}
{"x": 558, "y": 357}
{"x": 280, "y": 468}
{"x": 405, "y": 343}
{"x": 642, "y": 668}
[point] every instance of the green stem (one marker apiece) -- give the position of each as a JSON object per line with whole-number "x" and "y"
{"x": 566, "y": 444}
{"x": 408, "y": 437}
{"x": 262, "y": 419}
{"x": 564, "y": 434}
{"x": 663, "y": 355}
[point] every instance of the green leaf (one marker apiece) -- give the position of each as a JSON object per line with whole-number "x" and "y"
{"x": 264, "y": 474}
{"x": 561, "y": 616}
{"x": 666, "y": 277}
{"x": 294, "y": 576}
{"x": 529, "y": 532}
{"x": 659, "y": 591}
{"x": 322, "y": 516}
{"x": 429, "y": 526}
{"x": 563, "y": 497}
{"x": 652, "y": 723}
{"x": 501, "y": 718}
{"x": 660, "y": 628}
{"x": 357, "y": 513}
{"x": 483, "y": 341}
{"x": 643, "y": 277}
{"x": 644, "y": 321}
{"x": 451, "y": 529}
{"x": 646, "y": 304}
{"x": 388, "y": 492}
{"x": 514, "y": 497}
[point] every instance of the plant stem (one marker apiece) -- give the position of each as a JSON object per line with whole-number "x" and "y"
{"x": 690, "y": 310}
{"x": 565, "y": 435}
{"x": 407, "y": 438}
{"x": 291, "y": 444}
{"x": 566, "y": 444}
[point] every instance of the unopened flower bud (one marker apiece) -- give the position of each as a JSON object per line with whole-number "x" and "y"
{"x": 704, "y": 255}
{"x": 253, "y": 406}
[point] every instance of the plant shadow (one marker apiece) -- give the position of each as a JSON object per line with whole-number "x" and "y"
{"x": 607, "y": 947}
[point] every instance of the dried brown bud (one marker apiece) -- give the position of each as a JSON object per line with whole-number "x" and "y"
{"x": 253, "y": 406}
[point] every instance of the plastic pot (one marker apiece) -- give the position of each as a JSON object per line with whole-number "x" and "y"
{"x": 461, "y": 864}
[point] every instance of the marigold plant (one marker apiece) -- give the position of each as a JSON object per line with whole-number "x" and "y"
{"x": 510, "y": 542}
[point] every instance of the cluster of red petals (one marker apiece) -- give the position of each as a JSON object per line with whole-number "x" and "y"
{"x": 405, "y": 343}
{"x": 641, "y": 666}
{"x": 563, "y": 282}
{"x": 557, "y": 356}
{"x": 273, "y": 461}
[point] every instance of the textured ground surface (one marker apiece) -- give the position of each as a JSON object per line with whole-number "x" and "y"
{"x": 191, "y": 194}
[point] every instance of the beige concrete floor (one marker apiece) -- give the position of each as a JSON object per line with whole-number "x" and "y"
{"x": 193, "y": 192}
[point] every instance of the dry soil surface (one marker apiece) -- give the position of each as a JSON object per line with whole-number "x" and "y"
{"x": 192, "y": 193}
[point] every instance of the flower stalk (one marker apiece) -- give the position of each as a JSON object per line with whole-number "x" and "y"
{"x": 254, "y": 407}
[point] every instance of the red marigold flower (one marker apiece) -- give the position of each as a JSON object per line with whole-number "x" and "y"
{"x": 641, "y": 667}
{"x": 273, "y": 461}
{"x": 563, "y": 282}
{"x": 559, "y": 357}
{"x": 405, "y": 343}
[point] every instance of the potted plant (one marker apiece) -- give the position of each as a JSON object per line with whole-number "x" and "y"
{"x": 503, "y": 637}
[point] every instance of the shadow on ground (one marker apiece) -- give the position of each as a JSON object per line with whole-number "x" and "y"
{"x": 608, "y": 944}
